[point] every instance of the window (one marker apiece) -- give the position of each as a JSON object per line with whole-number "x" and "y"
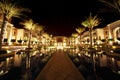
{"x": 118, "y": 34}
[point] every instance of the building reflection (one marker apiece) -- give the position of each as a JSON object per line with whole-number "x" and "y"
{"x": 103, "y": 60}
{"x": 6, "y": 64}
{"x": 33, "y": 61}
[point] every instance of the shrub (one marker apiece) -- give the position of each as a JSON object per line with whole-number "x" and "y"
{"x": 3, "y": 51}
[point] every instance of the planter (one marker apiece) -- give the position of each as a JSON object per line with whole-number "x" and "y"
{"x": 13, "y": 40}
{"x": 19, "y": 41}
{"x": 3, "y": 51}
{"x": 5, "y": 40}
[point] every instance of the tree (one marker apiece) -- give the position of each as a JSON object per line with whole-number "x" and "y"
{"x": 90, "y": 23}
{"x": 7, "y": 11}
{"x": 114, "y": 4}
{"x": 74, "y": 35}
{"x": 39, "y": 29}
{"x": 80, "y": 30}
{"x": 31, "y": 26}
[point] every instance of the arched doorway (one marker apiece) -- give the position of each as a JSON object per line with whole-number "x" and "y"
{"x": 116, "y": 33}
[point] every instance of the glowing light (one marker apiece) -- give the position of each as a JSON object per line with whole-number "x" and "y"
{"x": 64, "y": 44}
{"x": 55, "y": 44}
{"x": 113, "y": 47}
{"x": 59, "y": 46}
{"x": 79, "y": 54}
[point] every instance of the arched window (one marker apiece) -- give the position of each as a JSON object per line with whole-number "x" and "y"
{"x": 118, "y": 34}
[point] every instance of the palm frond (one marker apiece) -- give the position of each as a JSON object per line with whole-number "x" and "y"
{"x": 107, "y": 3}
{"x": 29, "y": 24}
{"x": 38, "y": 28}
{"x": 86, "y": 23}
{"x": 46, "y": 35}
{"x": 115, "y": 4}
{"x": 91, "y": 22}
{"x": 11, "y": 10}
{"x": 74, "y": 34}
{"x": 119, "y": 2}
{"x": 80, "y": 29}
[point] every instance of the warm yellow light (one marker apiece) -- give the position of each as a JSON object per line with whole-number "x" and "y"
{"x": 113, "y": 47}
{"x": 64, "y": 44}
{"x": 79, "y": 54}
{"x": 55, "y": 44}
{"x": 110, "y": 42}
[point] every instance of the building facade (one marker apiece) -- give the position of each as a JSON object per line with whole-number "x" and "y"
{"x": 110, "y": 33}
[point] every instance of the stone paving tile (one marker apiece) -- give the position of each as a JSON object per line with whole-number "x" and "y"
{"x": 60, "y": 67}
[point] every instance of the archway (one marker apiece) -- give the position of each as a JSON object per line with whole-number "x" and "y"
{"x": 116, "y": 33}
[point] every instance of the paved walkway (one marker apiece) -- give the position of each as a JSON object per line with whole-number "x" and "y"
{"x": 60, "y": 67}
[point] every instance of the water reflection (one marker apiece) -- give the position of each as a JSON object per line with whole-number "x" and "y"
{"x": 104, "y": 66}
{"x": 30, "y": 63}
{"x": 112, "y": 62}
{"x": 100, "y": 59}
{"x": 6, "y": 64}
{"x": 17, "y": 59}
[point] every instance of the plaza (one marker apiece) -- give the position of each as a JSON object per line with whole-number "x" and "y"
{"x": 46, "y": 43}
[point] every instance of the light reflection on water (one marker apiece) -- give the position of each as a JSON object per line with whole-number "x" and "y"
{"x": 15, "y": 60}
{"x": 19, "y": 59}
{"x": 100, "y": 59}
{"x": 6, "y": 64}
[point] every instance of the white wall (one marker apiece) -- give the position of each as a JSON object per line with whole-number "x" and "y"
{"x": 20, "y": 34}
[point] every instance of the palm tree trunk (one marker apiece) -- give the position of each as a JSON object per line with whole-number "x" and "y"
{"x": 91, "y": 52}
{"x": 80, "y": 40}
{"x": 29, "y": 40}
{"x": 2, "y": 30}
{"x": 90, "y": 38}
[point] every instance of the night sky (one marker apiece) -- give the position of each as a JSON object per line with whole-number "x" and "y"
{"x": 61, "y": 17}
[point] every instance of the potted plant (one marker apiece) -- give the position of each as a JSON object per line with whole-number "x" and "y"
{"x": 13, "y": 41}
{"x": 103, "y": 40}
{"x": 5, "y": 40}
{"x": 19, "y": 41}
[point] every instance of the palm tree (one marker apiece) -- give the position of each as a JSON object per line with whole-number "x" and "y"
{"x": 31, "y": 26}
{"x": 46, "y": 35}
{"x": 80, "y": 30}
{"x": 39, "y": 29}
{"x": 74, "y": 35}
{"x": 7, "y": 11}
{"x": 114, "y": 4}
{"x": 90, "y": 23}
